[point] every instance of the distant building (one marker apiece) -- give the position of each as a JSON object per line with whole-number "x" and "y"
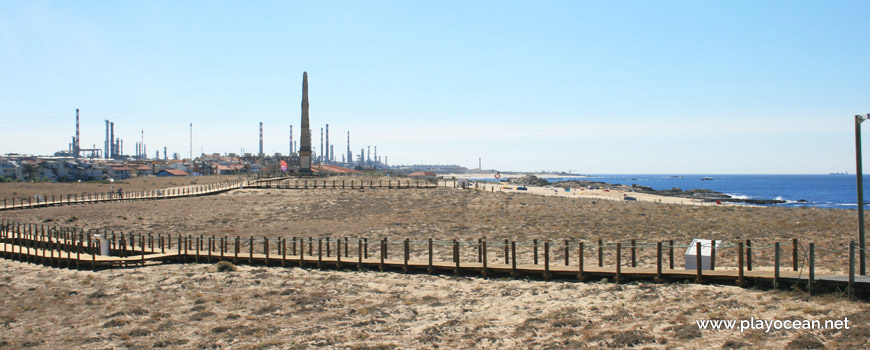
{"x": 428, "y": 175}
{"x": 171, "y": 172}
{"x": 10, "y": 169}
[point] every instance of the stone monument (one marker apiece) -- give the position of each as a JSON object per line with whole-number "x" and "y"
{"x": 305, "y": 140}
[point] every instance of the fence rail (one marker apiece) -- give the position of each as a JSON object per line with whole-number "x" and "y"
{"x": 569, "y": 258}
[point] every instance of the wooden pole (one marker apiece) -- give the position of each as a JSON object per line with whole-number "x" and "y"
{"x": 658, "y": 262}
{"x": 580, "y": 261}
{"x": 546, "y": 260}
{"x": 851, "y": 287}
{"x": 600, "y": 253}
{"x": 430, "y": 269}
{"x": 812, "y": 268}
{"x": 456, "y": 271}
{"x": 566, "y": 252}
{"x": 698, "y": 262}
{"x": 618, "y": 277}
{"x": 535, "y": 243}
{"x": 712, "y": 254}
{"x": 748, "y": 255}
{"x": 794, "y": 254}
{"x": 485, "y": 272}
{"x": 319, "y": 248}
{"x": 776, "y": 265}
{"x": 383, "y": 254}
{"x": 513, "y": 258}
{"x": 633, "y": 253}
{"x": 740, "y": 264}
{"x": 407, "y": 252}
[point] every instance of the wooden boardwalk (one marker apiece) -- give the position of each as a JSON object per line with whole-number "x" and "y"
{"x": 77, "y": 250}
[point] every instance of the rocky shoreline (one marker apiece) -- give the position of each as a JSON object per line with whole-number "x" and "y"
{"x": 698, "y": 194}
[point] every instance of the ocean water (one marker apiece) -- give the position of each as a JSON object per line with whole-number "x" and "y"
{"x": 821, "y": 191}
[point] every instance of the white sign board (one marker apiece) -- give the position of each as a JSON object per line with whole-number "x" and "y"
{"x": 691, "y": 255}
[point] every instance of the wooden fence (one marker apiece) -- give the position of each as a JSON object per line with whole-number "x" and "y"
{"x": 570, "y": 258}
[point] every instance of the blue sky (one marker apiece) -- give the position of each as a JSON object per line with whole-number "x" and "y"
{"x": 591, "y": 87}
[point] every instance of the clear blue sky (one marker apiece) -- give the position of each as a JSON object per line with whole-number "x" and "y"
{"x": 592, "y": 87}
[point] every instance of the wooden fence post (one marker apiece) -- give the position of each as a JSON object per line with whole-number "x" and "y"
{"x": 407, "y": 252}
{"x": 266, "y": 249}
{"x": 658, "y": 262}
{"x": 456, "y": 257}
{"x": 776, "y": 265}
{"x": 748, "y": 255}
{"x": 600, "y": 253}
{"x": 698, "y": 263}
{"x": 485, "y": 272}
{"x": 633, "y": 253}
{"x": 535, "y": 244}
{"x": 812, "y": 268}
{"x": 712, "y": 254}
{"x": 740, "y": 264}
{"x": 430, "y": 269}
{"x": 794, "y": 254}
{"x": 383, "y": 254}
{"x": 513, "y": 258}
{"x": 580, "y": 261}
{"x": 618, "y": 277}
{"x": 851, "y": 287}
{"x": 546, "y": 260}
{"x": 319, "y": 247}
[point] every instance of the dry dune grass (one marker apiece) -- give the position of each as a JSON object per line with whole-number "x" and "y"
{"x": 195, "y": 306}
{"x": 446, "y": 214}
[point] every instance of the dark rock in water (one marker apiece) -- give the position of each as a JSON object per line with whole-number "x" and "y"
{"x": 697, "y": 193}
{"x": 803, "y": 201}
{"x": 530, "y": 180}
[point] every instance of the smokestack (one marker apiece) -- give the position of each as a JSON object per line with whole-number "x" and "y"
{"x": 386, "y": 161}
{"x": 191, "y": 142}
{"x": 321, "y": 147}
{"x": 164, "y": 154}
{"x": 327, "y": 150}
{"x": 369, "y": 160}
{"x": 349, "y": 155}
{"x": 376, "y": 154}
{"x": 261, "y": 139}
{"x": 106, "y": 150}
{"x": 121, "y": 148}
{"x": 142, "y": 146}
{"x": 77, "y": 140}
{"x": 113, "y": 149}
{"x": 331, "y": 151}
{"x": 291, "y": 139}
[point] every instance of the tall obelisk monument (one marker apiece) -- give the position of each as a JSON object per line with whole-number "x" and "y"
{"x": 305, "y": 141}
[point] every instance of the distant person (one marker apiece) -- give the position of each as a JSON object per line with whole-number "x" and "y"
{"x": 120, "y": 193}
{"x": 112, "y": 191}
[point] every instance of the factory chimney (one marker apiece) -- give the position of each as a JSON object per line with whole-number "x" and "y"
{"x": 369, "y": 160}
{"x": 77, "y": 145}
{"x": 349, "y": 155}
{"x": 376, "y": 154}
{"x": 164, "y": 154}
{"x": 106, "y": 150}
{"x": 113, "y": 146}
{"x": 291, "y": 139}
{"x": 327, "y": 151}
{"x": 261, "y": 139}
{"x": 320, "y": 157}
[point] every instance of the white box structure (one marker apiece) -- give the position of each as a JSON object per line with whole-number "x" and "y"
{"x": 706, "y": 253}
